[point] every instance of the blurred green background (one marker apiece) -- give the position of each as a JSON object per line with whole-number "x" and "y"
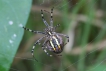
{"x": 84, "y": 21}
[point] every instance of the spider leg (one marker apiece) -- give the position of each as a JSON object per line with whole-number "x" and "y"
{"x": 64, "y": 36}
{"x": 32, "y": 51}
{"x": 56, "y": 26}
{"x": 44, "y": 48}
{"x": 51, "y": 21}
{"x": 43, "y": 18}
{"x": 33, "y": 31}
{"x": 47, "y": 11}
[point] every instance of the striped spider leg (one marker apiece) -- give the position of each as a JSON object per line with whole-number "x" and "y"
{"x": 33, "y": 30}
{"x": 44, "y": 47}
{"x": 51, "y": 17}
{"x": 51, "y": 21}
{"x": 44, "y": 19}
{"x": 64, "y": 36}
{"x": 38, "y": 41}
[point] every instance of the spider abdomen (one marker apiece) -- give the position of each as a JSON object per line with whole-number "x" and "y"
{"x": 56, "y": 44}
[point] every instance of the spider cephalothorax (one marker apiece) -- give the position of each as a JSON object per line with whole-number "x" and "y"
{"x": 53, "y": 41}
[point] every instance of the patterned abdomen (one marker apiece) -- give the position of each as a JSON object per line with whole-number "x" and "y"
{"x": 56, "y": 44}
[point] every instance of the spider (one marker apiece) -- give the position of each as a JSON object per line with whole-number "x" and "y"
{"x": 53, "y": 42}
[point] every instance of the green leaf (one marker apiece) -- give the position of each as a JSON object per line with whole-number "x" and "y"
{"x": 13, "y": 14}
{"x": 97, "y": 67}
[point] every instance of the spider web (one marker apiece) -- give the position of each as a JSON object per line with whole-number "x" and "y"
{"x": 57, "y": 5}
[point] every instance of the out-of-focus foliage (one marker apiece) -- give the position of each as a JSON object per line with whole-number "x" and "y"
{"x": 13, "y": 14}
{"x": 97, "y": 67}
